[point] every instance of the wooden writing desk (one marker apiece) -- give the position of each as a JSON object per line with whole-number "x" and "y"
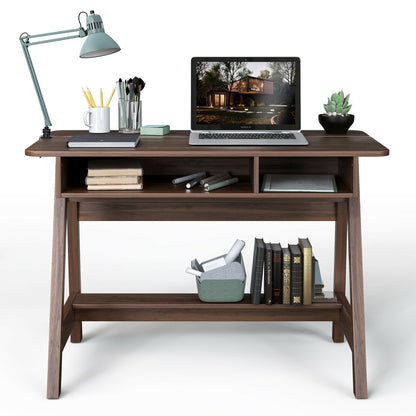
{"x": 171, "y": 156}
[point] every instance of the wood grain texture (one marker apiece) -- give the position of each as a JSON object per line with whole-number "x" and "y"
{"x": 354, "y": 143}
{"x": 74, "y": 269}
{"x": 57, "y": 300}
{"x": 340, "y": 261}
{"x": 188, "y": 307}
{"x": 357, "y": 300}
{"x": 197, "y": 210}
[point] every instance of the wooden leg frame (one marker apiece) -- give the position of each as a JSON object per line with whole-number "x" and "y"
{"x": 351, "y": 316}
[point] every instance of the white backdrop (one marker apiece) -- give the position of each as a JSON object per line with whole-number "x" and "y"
{"x": 364, "y": 47}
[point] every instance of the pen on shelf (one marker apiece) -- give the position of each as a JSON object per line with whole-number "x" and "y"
{"x": 188, "y": 178}
{"x": 87, "y": 98}
{"x": 194, "y": 272}
{"x": 111, "y": 96}
{"x": 215, "y": 178}
{"x": 221, "y": 184}
{"x": 101, "y": 97}
{"x": 192, "y": 183}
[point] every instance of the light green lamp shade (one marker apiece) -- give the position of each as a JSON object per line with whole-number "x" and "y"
{"x": 98, "y": 43}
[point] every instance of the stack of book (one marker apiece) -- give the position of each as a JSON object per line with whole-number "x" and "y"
{"x": 114, "y": 175}
{"x": 287, "y": 275}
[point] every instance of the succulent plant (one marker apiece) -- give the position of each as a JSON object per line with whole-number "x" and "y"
{"x": 338, "y": 104}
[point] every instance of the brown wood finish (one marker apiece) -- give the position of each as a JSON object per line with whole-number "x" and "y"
{"x": 170, "y": 156}
{"x": 357, "y": 300}
{"x": 188, "y": 307}
{"x": 340, "y": 261}
{"x": 355, "y": 143}
{"x": 74, "y": 272}
{"x": 57, "y": 300}
{"x": 209, "y": 210}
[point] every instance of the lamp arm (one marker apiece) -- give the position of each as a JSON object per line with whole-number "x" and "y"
{"x": 24, "y": 41}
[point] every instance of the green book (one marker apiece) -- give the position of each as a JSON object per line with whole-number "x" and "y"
{"x": 155, "y": 130}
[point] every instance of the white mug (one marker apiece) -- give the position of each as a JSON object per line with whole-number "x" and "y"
{"x": 98, "y": 119}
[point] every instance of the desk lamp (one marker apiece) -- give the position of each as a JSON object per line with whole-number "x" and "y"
{"x": 97, "y": 43}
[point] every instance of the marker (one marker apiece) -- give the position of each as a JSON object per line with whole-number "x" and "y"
{"x": 187, "y": 178}
{"x": 214, "y": 178}
{"x": 191, "y": 184}
{"x": 221, "y": 184}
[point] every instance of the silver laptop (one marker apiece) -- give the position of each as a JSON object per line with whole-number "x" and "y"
{"x": 245, "y": 101}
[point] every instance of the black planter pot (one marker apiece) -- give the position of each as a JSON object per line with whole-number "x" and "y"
{"x": 336, "y": 124}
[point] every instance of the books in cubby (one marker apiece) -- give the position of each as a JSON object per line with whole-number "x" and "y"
{"x": 114, "y": 175}
{"x": 288, "y": 275}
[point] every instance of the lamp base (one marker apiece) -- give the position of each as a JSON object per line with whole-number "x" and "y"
{"x": 46, "y": 133}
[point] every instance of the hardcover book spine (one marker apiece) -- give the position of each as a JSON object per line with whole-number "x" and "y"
{"x": 277, "y": 273}
{"x": 296, "y": 271}
{"x": 257, "y": 271}
{"x": 268, "y": 285}
{"x": 306, "y": 248}
{"x": 286, "y": 276}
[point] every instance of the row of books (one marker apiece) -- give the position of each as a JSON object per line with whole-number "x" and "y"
{"x": 114, "y": 174}
{"x": 287, "y": 275}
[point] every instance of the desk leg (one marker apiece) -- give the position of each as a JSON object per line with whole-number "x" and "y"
{"x": 57, "y": 300}
{"x": 357, "y": 300}
{"x": 74, "y": 273}
{"x": 340, "y": 263}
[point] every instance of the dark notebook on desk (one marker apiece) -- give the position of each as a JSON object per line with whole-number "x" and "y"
{"x": 109, "y": 140}
{"x": 246, "y": 101}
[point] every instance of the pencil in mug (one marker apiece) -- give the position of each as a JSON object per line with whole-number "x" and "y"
{"x": 111, "y": 96}
{"x": 91, "y": 98}
{"x": 87, "y": 98}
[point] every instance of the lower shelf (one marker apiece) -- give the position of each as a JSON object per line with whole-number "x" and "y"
{"x": 188, "y": 307}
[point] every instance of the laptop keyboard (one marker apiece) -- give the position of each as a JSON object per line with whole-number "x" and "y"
{"x": 248, "y": 136}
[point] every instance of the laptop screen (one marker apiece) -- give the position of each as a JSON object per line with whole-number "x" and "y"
{"x": 245, "y": 94}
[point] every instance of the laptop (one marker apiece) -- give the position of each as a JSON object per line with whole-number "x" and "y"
{"x": 245, "y": 101}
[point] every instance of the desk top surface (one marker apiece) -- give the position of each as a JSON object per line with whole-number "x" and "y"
{"x": 354, "y": 143}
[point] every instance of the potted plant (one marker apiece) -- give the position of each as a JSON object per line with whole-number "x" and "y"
{"x": 337, "y": 120}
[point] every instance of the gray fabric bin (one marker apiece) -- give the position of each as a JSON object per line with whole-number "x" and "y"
{"x": 223, "y": 284}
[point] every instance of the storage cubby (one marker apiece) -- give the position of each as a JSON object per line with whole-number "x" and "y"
{"x": 158, "y": 174}
{"x": 341, "y": 168}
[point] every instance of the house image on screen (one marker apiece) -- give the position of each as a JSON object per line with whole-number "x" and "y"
{"x": 245, "y": 91}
